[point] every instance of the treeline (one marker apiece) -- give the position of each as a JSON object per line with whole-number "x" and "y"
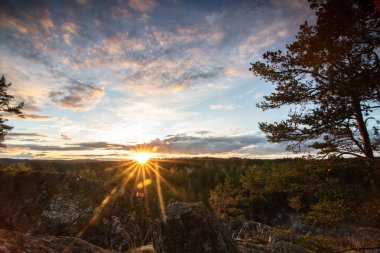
{"x": 324, "y": 192}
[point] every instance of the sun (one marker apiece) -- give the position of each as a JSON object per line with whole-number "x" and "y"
{"x": 142, "y": 157}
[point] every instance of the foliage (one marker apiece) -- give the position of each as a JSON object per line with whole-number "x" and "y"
{"x": 317, "y": 243}
{"x": 295, "y": 202}
{"x": 5, "y": 106}
{"x": 325, "y": 192}
{"x": 227, "y": 200}
{"x": 17, "y": 168}
{"x": 331, "y": 75}
{"x": 328, "y": 212}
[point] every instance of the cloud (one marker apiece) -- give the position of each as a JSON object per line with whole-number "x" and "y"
{"x": 234, "y": 72}
{"x": 175, "y": 144}
{"x": 33, "y": 21}
{"x": 161, "y": 61}
{"x": 29, "y": 117}
{"x": 222, "y": 107}
{"x": 117, "y": 45}
{"x": 262, "y": 39}
{"x": 75, "y": 147}
{"x": 142, "y": 5}
{"x": 29, "y": 111}
{"x": 26, "y": 137}
{"x": 188, "y": 34}
{"x": 65, "y": 137}
{"x": 30, "y": 105}
{"x": 203, "y": 143}
{"x": 69, "y": 29}
{"x": 197, "y": 145}
{"x": 17, "y": 135}
{"x": 83, "y": 2}
{"x": 79, "y": 96}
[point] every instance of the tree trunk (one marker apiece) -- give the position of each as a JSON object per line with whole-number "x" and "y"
{"x": 367, "y": 146}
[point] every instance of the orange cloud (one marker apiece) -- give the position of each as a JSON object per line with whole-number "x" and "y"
{"x": 142, "y": 5}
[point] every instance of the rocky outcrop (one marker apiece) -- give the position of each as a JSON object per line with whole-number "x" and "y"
{"x": 15, "y": 242}
{"x": 57, "y": 204}
{"x": 189, "y": 228}
{"x": 257, "y": 237}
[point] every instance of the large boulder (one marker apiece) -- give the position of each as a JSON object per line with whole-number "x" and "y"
{"x": 189, "y": 228}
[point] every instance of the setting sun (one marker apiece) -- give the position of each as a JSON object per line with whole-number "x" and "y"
{"x": 142, "y": 158}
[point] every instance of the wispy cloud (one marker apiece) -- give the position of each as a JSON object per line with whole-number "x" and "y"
{"x": 185, "y": 144}
{"x": 142, "y": 5}
{"x": 29, "y": 117}
{"x": 26, "y": 135}
{"x": 223, "y": 107}
{"x": 79, "y": 96}
{"x": 65, "y": 137}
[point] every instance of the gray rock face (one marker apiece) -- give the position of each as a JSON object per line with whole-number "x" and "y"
{"x": 252, "y": 230}
{"x": 189, "y": 228}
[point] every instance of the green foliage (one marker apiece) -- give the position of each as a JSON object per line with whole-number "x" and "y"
{"x": 328, "y": 212}
{"x": 5, "y": 106}
{"x": 295, "y": 202}
{"x": 330, "y": 75}
{"x": 324, "y": 191}
{"x": 227, "y": 200}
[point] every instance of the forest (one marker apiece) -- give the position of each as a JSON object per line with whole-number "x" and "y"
{"x": 326, "y": 204}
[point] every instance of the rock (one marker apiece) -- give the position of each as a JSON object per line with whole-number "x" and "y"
{"x": 15, "y": 242}
{"x": 233, "y": 226}
{"x": 189, "y": 228}
{"x": 255, "y": 237}
{"x": 255, "y": 231}
{"x": 298, "y": 224}
{"x": 59, "y": 204}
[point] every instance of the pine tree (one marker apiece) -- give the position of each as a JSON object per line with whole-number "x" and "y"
{"x": 331, "y": 75}
{"x": 5, "y": 106}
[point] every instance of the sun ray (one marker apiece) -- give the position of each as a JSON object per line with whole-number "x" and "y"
{"x": 144, "y": 185}
{"x": 136, "y": 181}
{"x": 160, "y": 197}
{"x": 141, "y": 170}
{"x": 170, "y": 186}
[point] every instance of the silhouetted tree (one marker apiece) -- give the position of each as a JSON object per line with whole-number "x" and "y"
{"x": 331, "y": 74}
{"x": 5, "y": 106}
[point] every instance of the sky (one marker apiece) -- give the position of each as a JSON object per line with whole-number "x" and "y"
{"x": 104, "y": 79}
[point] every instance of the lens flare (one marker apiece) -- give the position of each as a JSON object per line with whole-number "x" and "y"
{"x": 144, "y": 170}
{"x": 142, "y": 157}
